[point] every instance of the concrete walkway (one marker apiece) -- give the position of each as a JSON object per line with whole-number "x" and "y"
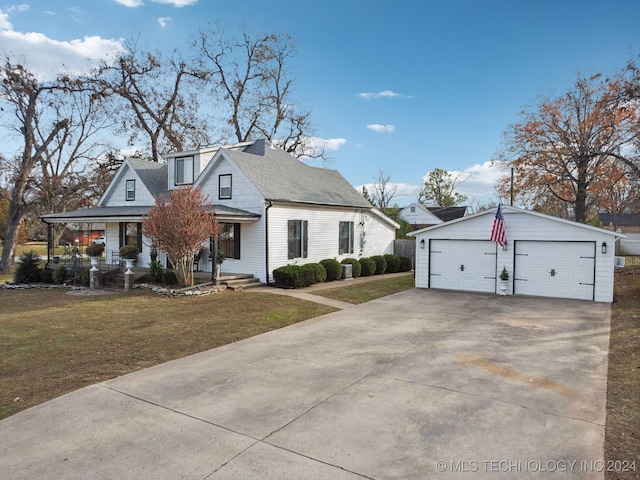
{"x": 416, "y": 385}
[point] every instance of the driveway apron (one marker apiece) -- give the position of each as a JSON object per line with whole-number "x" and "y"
{"x": 420, "y": 384}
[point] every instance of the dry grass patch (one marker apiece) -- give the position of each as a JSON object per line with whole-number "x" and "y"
{"x": 53, "y": 342}
{"x": 622, "y": 432}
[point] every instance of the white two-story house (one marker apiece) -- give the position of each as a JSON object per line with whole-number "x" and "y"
{"x": 273, "y": 209}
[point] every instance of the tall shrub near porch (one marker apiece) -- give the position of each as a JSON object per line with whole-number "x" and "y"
{"x": 178, "y": 225}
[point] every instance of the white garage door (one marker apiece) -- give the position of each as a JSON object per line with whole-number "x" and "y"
{"x": 462, "y": 265}
{"x": 555, "y": 269}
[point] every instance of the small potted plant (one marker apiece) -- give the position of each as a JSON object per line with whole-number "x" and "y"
{"x": 129, "y": 253}
{"x": 504, "y": 281}
{"x": 94, "y": 252}
{"x": 219, "y": 260}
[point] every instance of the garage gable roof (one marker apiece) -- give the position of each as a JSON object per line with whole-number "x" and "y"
{"x": 506, "y": 210}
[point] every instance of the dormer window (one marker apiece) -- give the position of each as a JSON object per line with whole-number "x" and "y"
{"x": 224, "y": 187}
{"x": 184, "y": 171}
{"x": 131, "y": 190}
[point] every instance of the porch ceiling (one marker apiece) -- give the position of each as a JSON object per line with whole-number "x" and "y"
{"x": 136, "y": 213}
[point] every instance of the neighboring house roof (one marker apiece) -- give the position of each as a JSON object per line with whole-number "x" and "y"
{"x": 447, "y": 214}
{"x": 620, "y": 220}
{"x": 281, "y": 177}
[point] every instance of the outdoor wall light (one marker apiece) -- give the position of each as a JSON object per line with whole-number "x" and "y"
{"x": 604, "y": 247}
{"x": 422, "y": 243}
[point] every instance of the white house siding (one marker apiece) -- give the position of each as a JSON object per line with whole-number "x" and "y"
{"x": 323, "y": 233}
{"x": 117, "y": 196}
{"x": 521, "y": 225}
{"x": 421, "y": 216}
{"x": 246, "y": 197}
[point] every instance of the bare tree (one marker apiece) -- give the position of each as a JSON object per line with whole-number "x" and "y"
{"x": 50, "y": 119}
{"x": 382, "y": 192}
{"x": 250, "y": 78}
{"x": 160, "y": 104}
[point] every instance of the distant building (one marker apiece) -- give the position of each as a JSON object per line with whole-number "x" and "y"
{"x": 421, "y": 216}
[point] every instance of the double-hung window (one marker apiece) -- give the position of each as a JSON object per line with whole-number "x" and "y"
{"x": 184, "y": 171}
{"x": 131, "y": 190}
{"x": 345, "y": 238}
{"x": 297, "y": 237}
{"x": 224, "y": 187}
{"x": 229, "y": 240}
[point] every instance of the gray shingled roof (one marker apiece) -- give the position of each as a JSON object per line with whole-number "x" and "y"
{"x": 281, "y": 177}
{"x": 152, "y": 174}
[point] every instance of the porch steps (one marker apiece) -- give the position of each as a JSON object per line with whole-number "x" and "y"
{"x": 240, "y": 282}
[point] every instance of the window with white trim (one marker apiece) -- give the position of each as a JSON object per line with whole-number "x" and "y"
{"x": 345, "y": 240}
{"x": 131, "y": 190}
{"x": 224, "y": 186}
{"x": 297, "y": 238}
{"x": 184, "y": 171}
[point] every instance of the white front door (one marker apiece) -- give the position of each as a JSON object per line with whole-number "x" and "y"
{"x": 555, "y": 269}
{"x": 468, "y": 265}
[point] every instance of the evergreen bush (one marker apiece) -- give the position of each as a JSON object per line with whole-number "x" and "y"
{"x": 59, "y": 275}
{"x": 288, "y": 276}
{"x": 393, "y": 263}
{"x": 368, "y": 266}
{"x": 313, "y": 273}
{"x": 46, "y": 275}
{"x": 129, "y": 251}
{"x": 156, "y": 272}
{"x": 169, "y": 277}
{"x": 28, "y": 268}
{"x": 85, "y": 277}
{"x": 405, "y": 264}
{"x": 381, "y": 264}
{"x": 333, "y": 268}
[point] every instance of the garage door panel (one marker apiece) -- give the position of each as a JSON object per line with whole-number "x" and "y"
{"x": 555, "y": 269}
{"x": 462, "y": 265}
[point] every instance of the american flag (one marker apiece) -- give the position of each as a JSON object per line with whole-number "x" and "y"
{"x": 497, "y": 231}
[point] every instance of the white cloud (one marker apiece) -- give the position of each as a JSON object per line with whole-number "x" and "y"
{"x": 376, "y": 127}
{"x": 5, "y": 24}
{"x": 329, "y": 144}
{"x": 177, "y": 3}
{"x": 383, "y": 94}
{"x": 18, "y": 8}
{"x": 48, "y": 57}
{"x": 163, "y": 21}
{"x": 130, "y": 3}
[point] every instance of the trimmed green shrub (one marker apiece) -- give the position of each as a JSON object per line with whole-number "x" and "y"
{"x": 169, "y": 277}
{"x": 356, "y": 268}
{"x": 59, "y": 275}
{"x": 333, "y": 268}
{"x": 368, "y": 266}
{"x": 381, "y": 264}
{"x": 313, "y": 273}
{"x": 288, "y": 276}
{"x": 156, "y": 272}
{"x": 94, "y": 250}
{"x": 393, "y": 263}
{"x": 46, "y": 275}
{"x": 405, "y": 264}
{"x": 27, "y": 269}
{"x": 129, "y": 251}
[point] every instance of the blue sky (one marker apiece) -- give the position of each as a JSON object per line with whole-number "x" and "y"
{"x": 402, "y": 86}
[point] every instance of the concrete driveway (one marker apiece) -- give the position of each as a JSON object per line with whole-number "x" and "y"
{"x": 418, "y": 385}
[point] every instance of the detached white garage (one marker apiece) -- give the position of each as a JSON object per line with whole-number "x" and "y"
{"x": 545, "y": 256}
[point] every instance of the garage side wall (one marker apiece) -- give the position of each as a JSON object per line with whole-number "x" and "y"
{"x": 522, "y": 226}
